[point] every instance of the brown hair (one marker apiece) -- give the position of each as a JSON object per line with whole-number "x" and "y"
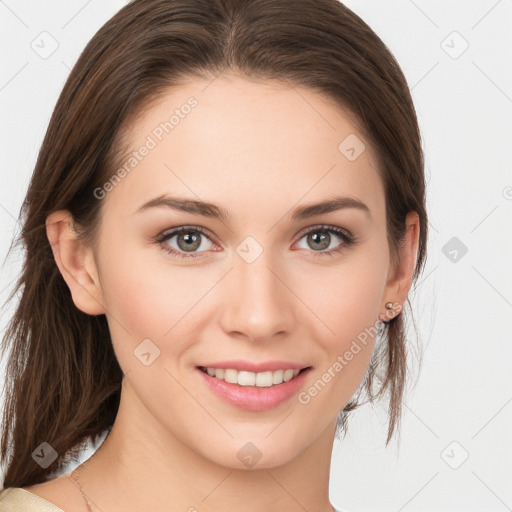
{"x": 63, "y": 381}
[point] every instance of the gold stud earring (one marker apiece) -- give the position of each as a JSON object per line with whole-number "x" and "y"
{"x": 392, "y": 311}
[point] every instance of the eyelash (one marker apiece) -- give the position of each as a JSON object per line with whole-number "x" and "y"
{"x": 347, "y": 238}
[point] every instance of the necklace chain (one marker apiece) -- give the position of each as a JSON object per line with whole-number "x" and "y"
{"x": 74, "y": 477}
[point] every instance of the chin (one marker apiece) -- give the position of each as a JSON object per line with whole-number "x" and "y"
{"x": 260, "y": 453}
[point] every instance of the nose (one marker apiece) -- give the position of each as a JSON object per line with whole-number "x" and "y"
{"x": 258, "y": 302}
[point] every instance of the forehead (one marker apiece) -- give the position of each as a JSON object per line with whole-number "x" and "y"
{"x": 246, "y": 141}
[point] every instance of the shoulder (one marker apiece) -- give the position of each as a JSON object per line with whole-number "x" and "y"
{"x": 18, "y": 499}
{"x": 56, "y": 495}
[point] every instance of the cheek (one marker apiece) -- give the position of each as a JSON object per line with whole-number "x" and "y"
{"x": 146, "y": 298}
{"x": 346, "y": 298}
{"x": 346, "y": 336}
{"x": 135, "y": 298}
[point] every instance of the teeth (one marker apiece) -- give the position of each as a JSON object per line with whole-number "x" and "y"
{"x": 261, "y": 380}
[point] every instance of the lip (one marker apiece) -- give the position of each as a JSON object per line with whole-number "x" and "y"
{"x": 249, "y": 366}
{"x": 253, "y": 398}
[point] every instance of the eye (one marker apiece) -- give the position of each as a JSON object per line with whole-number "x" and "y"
{"x": 188, "y": 240}
{"x": 320, "y": 238}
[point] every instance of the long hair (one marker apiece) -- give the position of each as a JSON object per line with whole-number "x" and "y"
{"x": 63, "y": 381}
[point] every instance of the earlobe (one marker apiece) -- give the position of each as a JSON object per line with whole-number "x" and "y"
{"x": 75, "y": 262}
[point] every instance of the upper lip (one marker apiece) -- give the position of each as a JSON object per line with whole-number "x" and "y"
{"x": 250, "y": 366}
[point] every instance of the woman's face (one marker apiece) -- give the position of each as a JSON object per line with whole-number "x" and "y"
{"x": 268, "y": 282}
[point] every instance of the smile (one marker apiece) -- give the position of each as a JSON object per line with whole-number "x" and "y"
{"x": 260, "y": 396}
{"x": 246, "y": 378}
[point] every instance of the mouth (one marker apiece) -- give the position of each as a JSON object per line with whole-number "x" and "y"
{"x": 253, "y": 379}
{"x": 258, "y": 392}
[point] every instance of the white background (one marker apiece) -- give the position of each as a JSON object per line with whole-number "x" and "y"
{"x": 461, "y": 407}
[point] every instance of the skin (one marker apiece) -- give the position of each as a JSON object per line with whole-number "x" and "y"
{"x": 174, "y": 443}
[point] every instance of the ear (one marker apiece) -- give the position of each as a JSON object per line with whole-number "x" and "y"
{"x": 400, "y": 278}
{"x": 76, "y": 263}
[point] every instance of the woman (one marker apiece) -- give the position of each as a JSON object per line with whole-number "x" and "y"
{"x": 224, "y": 222}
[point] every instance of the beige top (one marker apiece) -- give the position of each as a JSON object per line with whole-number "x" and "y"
{"x": 17, "y": 499}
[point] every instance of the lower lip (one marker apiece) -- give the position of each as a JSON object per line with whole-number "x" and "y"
{"x": 253, "y": 398}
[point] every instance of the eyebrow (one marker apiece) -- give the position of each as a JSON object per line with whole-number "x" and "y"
{"x": 211, "y": 210}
